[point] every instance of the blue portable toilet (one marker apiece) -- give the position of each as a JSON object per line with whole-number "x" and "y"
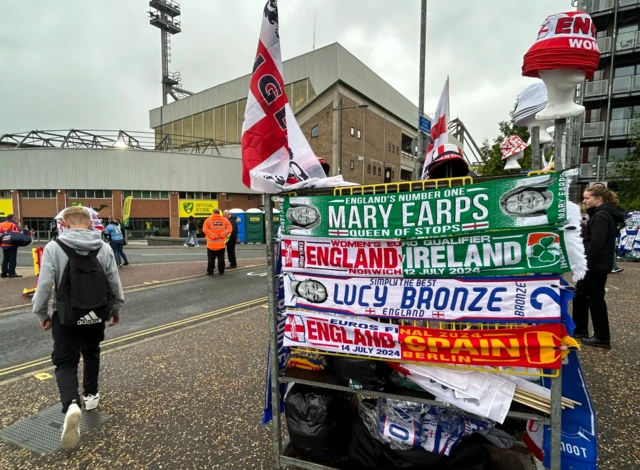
{"x": 242, "y": 234}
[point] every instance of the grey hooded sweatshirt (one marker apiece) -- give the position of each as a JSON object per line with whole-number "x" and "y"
{"x": 54, "y": 262}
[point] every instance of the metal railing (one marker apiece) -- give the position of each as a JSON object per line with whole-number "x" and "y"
{"x": 111, "y": 139}
{"x": 592, "y": 130}
{"x": 601, "y": 5}
{"x": 624, "y": 42}
{"x": 626, "y": 84}
{"x": 620, "y": 127}
{"x": 627, "y": 40}
{"x": 604, "y": 44}
{"x": 596, "y": 88}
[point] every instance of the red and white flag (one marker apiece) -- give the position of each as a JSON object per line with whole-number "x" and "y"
{"x": 439, "y": 132}
{"x": 275, "y": 153}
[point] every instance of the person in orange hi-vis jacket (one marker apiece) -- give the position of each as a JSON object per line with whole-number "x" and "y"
{"x": 216, "y": 230}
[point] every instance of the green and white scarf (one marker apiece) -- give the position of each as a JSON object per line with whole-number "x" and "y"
{"x": 495, "y": 205}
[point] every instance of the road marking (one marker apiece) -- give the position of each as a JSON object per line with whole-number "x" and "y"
{"x": 43, "y": 376}
{"x": 174, "y": 254}
{"x": 148, "y": 331}
{"x": 256, "y": 274}
{"x": 15, "y": 309}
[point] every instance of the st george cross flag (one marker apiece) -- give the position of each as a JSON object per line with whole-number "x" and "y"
{"x": 275, "y": 153}
{"x": 439, "y": 132}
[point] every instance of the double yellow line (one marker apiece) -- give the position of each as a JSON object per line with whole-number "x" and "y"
{"x": 12, "y": 310}
{"x": 147, "y": 332}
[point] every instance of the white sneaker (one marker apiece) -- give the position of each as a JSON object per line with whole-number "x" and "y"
{"x": 91, "y": 402}
{"x": 186, "y": 244}
{"x": 71, "y": 430}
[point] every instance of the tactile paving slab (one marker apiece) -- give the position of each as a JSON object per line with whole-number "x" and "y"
{"x": 41, "y": 432}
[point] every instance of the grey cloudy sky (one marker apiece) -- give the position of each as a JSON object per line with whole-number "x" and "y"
{"x": 96, "y": 65}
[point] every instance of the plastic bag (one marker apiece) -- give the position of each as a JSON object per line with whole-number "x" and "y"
{"x": 319, "y": 421}
{"x": 366, "y": 449}
{"x": 362, "y": 374}
{"x": 403, "y": 425}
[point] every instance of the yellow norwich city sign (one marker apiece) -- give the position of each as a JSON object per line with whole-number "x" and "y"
{"x": 197, "y": 207}
{"x": 6, "y": 207}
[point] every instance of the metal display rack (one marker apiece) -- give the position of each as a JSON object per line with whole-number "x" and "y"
{"x": 283, "y": 453}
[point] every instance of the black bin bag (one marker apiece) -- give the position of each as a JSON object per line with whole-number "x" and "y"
{"x": 362, "y": 374}
{"x": 319, "y": 421}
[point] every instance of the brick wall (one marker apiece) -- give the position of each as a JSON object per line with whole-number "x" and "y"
{"x": 375, "y": 147}
{"x": 322, "y": 145}
{"x": 239, "y": 201}
{"x": 38, "y": 208}
{"x": 376, "y": 134}
{"x": 393, "y": 136}
{"x": 15, "y": 202}
{"x": 118, "y": 201}
{"x": 103, "y": 207}
{"x": 174, "y": 215}
{"x": 150, "y": 208}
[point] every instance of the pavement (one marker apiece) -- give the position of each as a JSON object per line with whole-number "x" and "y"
{"x": 190, "y": 395}
{"x": 188, "y": 400}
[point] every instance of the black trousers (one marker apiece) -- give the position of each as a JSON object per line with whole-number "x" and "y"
{"x": 231, "y": 247}
{"x": 212, "y": 255}
{"x": 590, "y": 298}
{"x": 9, "y": 260}
{"x": 68, "y": 343}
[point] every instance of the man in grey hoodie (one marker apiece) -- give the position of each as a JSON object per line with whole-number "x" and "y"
{"x": 81, "y": 337}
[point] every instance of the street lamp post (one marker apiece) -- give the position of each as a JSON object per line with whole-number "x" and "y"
{"x": 342, "y": 108}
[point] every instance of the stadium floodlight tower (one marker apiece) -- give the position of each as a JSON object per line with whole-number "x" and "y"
{"x": 165, "y": 15}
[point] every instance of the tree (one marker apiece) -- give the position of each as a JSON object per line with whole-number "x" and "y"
{"x": 493, "y": 164}
{"x": 626, "y": 181}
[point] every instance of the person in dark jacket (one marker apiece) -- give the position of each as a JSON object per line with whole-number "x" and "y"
{"x": 599, "y": 236}
{"x": 9, "y": 252}
{"x": 233, "y": 238}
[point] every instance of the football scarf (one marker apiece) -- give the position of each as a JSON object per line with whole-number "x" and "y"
{"x": 283, "y": 352}
{"x": 533, "y": 346}
{"x": 524, "y": 251}
{"x": 495, "y": 205}
{"x": 495, "y": 299}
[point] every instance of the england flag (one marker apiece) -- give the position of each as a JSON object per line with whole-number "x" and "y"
{"x": 275, "y": 154}
{"x": 439, "y": 132}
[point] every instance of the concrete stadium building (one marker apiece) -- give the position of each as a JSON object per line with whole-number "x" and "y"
{"x": 192, "y": 157}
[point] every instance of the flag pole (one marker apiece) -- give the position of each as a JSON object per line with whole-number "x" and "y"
{"x": 423, "y": 47}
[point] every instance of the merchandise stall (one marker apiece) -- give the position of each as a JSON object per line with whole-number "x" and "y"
{"x": 385, "y": 295}
{"x": 411, "y": 323}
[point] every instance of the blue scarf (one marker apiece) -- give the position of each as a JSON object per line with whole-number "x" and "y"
{"x": 579, "y": 435}
{"x": 283, "y": 353}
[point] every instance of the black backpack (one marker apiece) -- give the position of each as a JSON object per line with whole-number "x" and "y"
{"x": 83, "y": 296}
